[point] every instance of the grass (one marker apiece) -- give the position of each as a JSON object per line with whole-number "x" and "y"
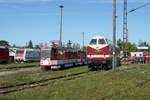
{"x": 27, "y": 77}
{"x": 11, "y": 66}
{"x": 130, "y": 82}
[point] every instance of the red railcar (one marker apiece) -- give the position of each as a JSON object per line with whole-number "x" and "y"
{"x": 99, "y": 53}
{"x": 146, "y": 56}
{"x": 56, "y": 56}
{"x": 4, "y": 54}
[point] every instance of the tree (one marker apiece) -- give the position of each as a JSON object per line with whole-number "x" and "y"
{"x": 4, "y": 43}
{"x": 37, "y": 46}
{"x": 69, "y": 44}
{"x": 130, "y": 47}
{"x": 134, "y": 47}
{"x": 30, "y": 44}
{"x": 14, "y": 46}
{"x": 120, "y": 44}
{"x": 143, "y": 43}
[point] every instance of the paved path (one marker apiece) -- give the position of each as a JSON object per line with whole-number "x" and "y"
{"x": 19, "y": 71}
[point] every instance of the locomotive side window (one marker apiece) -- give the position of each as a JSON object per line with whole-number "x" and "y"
{"x": 101, "y": 41}
{"x": 93, "y": 42}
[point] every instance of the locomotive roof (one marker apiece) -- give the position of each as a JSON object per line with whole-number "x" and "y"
{"x": 98, "y": 37}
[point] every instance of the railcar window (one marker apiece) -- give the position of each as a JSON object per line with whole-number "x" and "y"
{"x": 32, "y": 54}
{"x": 45, "y": 53}
{"x": 54, "y": 53}
{"x": 101, "y": 41}
{"x": 19, "y": 51}
{"x": 93, "y": 41}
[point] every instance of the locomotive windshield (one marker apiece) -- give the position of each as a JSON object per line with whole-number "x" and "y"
{"x": 45, "y": 53}
{"x": 19, "y": 51}
{"x": 93, "y": 42}
{"x": 101, "y": 41}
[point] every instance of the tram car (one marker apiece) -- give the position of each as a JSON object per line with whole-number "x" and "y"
{"x": 99, "y": 53}
{"x": 56, "y": 56}
{"x": 4, "y": 54}
{"x": 27, "y": 55}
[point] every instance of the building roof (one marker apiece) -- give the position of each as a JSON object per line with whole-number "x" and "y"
{"x": 143, "y": 48}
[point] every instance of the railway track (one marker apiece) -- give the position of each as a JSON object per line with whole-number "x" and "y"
{"x": 9, "y": 72}
{"x": 19, "y": 87}
{"x": 14, "y": 70}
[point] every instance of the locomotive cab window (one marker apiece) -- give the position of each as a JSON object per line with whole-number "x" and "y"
{"x": 93, "y": 42}
{"x": 101, "y": 41}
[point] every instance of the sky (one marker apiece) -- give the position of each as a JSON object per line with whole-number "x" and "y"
{"x": 38, "y": 20}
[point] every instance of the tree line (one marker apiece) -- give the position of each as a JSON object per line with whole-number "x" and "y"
{"x": 38, "y": 46}
{"x": 130, "y": 46}
{"x": 28, "y": 45}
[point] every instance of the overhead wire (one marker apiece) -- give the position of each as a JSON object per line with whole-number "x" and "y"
{"x": 146, "y": 4}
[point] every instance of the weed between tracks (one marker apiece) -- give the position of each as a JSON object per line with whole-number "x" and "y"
{"x": 27, "y": 77}
{"x": 15, "y": 66}
{"x": 128, "y": 84}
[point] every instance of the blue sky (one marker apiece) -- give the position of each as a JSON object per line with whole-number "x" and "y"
{"x": 38, "y": 20}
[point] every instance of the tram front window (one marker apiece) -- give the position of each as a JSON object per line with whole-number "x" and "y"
{"x": 45, "y": 53}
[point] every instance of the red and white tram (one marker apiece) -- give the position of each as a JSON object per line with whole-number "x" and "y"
{"x": 56, "y": 56}
{"x": 99, "y": 53}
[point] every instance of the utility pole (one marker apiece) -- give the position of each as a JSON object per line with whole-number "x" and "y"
{"x": 125, "y": 34}
{"x": 61, "y": 25}
{"x": 114, "y": 34}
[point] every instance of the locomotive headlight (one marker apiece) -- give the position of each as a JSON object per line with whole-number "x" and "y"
{"x": 90, "y": 56}
{"x": 104, "y": 56}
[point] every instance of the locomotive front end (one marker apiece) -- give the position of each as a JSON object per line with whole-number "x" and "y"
{"x": 99, "y": 53}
